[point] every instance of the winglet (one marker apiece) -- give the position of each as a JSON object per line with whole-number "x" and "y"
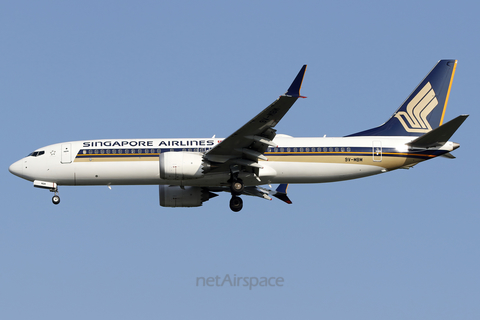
{"x": 294, "y": 90}
{"x": 281, "y": 193}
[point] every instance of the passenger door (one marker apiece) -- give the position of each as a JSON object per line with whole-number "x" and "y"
{"x": 66, "y": 153}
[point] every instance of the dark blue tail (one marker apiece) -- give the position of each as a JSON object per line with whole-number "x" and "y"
{"x": 424, "y": 109}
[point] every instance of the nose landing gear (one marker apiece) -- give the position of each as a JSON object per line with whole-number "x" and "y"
{"x": 56, "y": 197}
{"x": 52, "y": 186}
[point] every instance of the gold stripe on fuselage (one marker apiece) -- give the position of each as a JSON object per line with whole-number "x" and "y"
{"x": 116, "y": 157}
{"x": 389, "y": 161}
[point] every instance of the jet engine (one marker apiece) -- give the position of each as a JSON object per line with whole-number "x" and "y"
{"x": 182, "y": 165}
{"x": 175, "y": 196}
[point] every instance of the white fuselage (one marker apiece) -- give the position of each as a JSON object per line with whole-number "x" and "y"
{"x": 294, "y": 160}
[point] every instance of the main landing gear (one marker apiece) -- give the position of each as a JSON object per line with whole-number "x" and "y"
{"x": 236, "y": 188}
{"x": 236, "y": 204}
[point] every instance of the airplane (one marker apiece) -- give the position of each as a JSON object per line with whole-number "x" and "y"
{"x": 190, "y": 171}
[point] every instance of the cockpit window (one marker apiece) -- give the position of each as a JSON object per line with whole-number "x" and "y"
{"x": 36, "y": 153}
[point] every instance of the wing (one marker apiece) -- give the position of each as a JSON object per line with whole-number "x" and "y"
{"x": 246, "y": 145}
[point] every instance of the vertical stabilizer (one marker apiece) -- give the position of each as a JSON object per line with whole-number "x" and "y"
{"x": 424, "y": 109}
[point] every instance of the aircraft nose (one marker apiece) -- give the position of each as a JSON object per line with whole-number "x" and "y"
{"x": 16, "y": 168}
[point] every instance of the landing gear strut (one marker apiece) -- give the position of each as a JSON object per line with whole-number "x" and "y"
{"x": 236, "y": 188}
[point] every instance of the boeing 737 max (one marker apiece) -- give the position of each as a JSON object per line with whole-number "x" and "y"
{"x": 191, "y": 171}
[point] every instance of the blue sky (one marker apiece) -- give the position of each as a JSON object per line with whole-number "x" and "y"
{"x": 395, "y": 246}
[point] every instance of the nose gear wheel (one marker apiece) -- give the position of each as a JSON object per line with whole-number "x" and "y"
{"x": 56, "y": 197}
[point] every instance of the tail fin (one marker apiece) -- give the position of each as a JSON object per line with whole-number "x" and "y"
{"x": 424, "y": 109}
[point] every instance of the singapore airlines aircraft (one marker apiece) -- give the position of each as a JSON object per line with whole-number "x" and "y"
{"x": 190, "y": 171}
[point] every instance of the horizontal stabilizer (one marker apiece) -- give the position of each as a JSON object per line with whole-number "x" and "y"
{"x": 281, "y": 193}
{"x": 448, "y": 155}
{"x": 439, "y": 136}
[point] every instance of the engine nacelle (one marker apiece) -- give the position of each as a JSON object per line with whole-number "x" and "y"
{"x": 175, "y": 196}
{"x": 182, "y": 165}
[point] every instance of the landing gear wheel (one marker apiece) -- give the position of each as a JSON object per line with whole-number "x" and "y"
{"x": 56, "y": 199}
{"x": 236, "y": 204}
{"x": 237, "y": 187}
